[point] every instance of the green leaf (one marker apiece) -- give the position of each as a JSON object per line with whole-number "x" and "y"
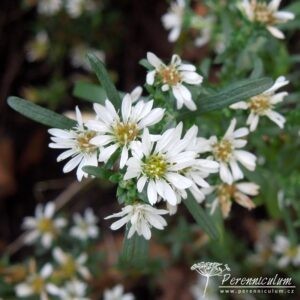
{"x": 201, "y": 217}
{"x": 98, "y": 172}
{"x": 145, "y": 63}
{"x": 135, "y": 250}
{"x": 89, "y": 92}
{"x": 40, "y": 114}
{"x": 238, "y": 91}
{"x": 110, "y": 89}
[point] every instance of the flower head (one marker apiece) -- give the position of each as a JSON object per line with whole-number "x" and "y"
{"x": 227, "y": 152}
{"x": 119, "y": 132}
{"x": 77, "y": 141}
{"x": 237, "y": 192}
{"x": 173, "y": 19}
{"x": 37, "y": 48}
{"x": 263, "y": 105}
{"x": 43, "y": 226}
{"x": 49, "y": 7}
{"x": 174, "y": 77}
{"x": 290, "y": 254}
{"x": 117, "y": 293}
{"x": 266, "y": 14}
{"x": 73, "y": 290}
{"x": 141, "y": 217}
{"x": 71, "y": 266}
{"x": 158, "y": 165}
{"x": 85, "y": 227}
{"x": 38, "y": 284}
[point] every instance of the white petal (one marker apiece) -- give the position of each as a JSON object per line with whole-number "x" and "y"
{"x": 275, "y": 32}
{"x": 107, "y": 152}
{"x": 247, "y": 159}
{"x": 154, "y": 60}
{"x": 225, "y": 174}
{"x": 151, "y": 192}
{"x": 72, "y": 163}
{"x": 179, "y": 181}
{"x": 276, "y": 118}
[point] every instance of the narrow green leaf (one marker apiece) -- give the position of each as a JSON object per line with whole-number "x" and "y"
{"x": 104, "y": 78}
{"x": 238, "y": 91}
{"x": 145, "y": 63}
{"x": 40, "y": 114}
{"x": 98, "y": 172}
{"x": 89, "y": 92}
{"x": 201, "y": 217}
{"x": 135, "y": 250}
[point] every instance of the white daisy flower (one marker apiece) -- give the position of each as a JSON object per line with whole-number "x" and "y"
{"x": 141, "y": 217}
{"x": 174, "y": 77}
{"x": 71, "y": 266}
{"x": 173, "y": 19}
{"x": 289, "y": 254}
{"x": 86, "y": 226}
{"x": 75, "y": 8}
{"x": 37, "y": 48}
{"x": 49, "y": 7}
{"x": 158, "y": 165}
{"x": 119, "y": 132}
{"x": 227, "y": 152}
{"x": 266, "y": 14}
{"x": 38, "y": 284}
{"x": 229, "y": 193}
{"x": 77, "y": 141}
{"x": 73, "y": 290}
{"x": 43, "y": 226}
{"x": 117, "y": 293}
{"x": 263, "y": 104}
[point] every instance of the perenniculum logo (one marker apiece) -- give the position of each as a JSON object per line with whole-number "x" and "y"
{"x": 243, "y": 285}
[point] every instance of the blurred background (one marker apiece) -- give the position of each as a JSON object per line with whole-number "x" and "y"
{"x": 42, "y": 56}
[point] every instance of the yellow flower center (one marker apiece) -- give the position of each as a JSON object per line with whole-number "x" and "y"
{"x": 155, "y": 167}
{"x": 37, "y": 284}
{"x": 259, "y": 104}
{"x": 291, "y": 252}
{"x": 226, "y": 191}
{"x": 169, "y": 75}
{"x": 45, "y": 225}
{"x": 69, "y": 267}
{"x": 83, "y": 142}
{"x": 262, "y": 14}
{"x": 223, "y": 150}
{"x": 126, "y": 132}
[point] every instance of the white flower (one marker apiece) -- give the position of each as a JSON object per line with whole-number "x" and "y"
{"x": 158, "y": 165}
{"x": 263, "y": 104}
{"x": 74, "y": 290}
{"x": 289, "y": 254}
{"x": 85, "y": 227}
{"x": 43, "y": 226}
{"x": 78, "y": 56}
{"x": 38, "y": 47}
{"x": 77, "y": 141}
{"x": 70, "y": 266}
{"x": 141, "y": 218}
{"x": 75, "y": 7}
{"x": 237, "y": 192}
{"x": 119, "y": 132}
{"x": 49, "y": 7}
{"x": 117, "y": 293}
{"x": 227, "y": 152}
{"x": 267, "y": 14}
{"x": 38, "y": 284}
{"x": 173, "y": 19}
{"x": 174, "y": 77}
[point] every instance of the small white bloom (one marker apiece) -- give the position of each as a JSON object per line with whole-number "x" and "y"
{"x": 74, "y": 290}
{"x": 49, "y": 7}
{"x": 72, "y": 266}
{"x": 75, "y": 7}
{"x": 173, "y": 19}
{"x": 38, "y": 284}
{"x": 174, "y": 77}
{"x": 43, "y": 226}
{"x": 119, "y": 132}
{"x": 141, "y": 218}
{"x": 77, "y": 141}
{"x": 86, "y": 226}
{"x": 237, "y": 192}
{"x": 266, "y": 14}
{"x": 117, "y": 293}
{"x": 158, "y": 165}
{"x": 37, "y": 48}
{"x": 227, "y": 152}
{"x": 263, "y": 104}
{"x": 289, "y": 254}
{"x": 78, "y": 56}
